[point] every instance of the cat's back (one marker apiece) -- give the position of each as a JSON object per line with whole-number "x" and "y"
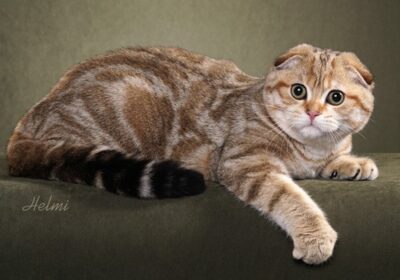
{"x": 165, "y": 70}
{"x": 168, "y": 72}
{"x": 123, "y": 92}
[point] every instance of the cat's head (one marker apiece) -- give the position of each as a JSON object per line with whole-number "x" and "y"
{"x": 312, "y": 93}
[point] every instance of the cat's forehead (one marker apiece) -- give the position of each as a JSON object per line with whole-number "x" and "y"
{"x": 321, "y": 51}
{"x": 322, "y": 67}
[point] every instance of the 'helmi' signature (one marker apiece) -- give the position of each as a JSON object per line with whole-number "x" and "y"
{"x": 46, "y": 205}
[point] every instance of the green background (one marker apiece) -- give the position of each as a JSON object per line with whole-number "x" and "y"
{"x": 39, "y": 40}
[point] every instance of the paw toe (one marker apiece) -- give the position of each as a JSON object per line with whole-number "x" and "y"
{"x": 351, "y": 168}
{"x": 370, "y": 170}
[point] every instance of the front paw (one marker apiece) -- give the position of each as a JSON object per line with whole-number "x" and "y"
{"x": 351, "y": 168}
{"x": 315, "y": 246}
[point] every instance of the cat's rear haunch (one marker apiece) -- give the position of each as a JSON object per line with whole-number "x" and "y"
{"x": 156, "y": 122}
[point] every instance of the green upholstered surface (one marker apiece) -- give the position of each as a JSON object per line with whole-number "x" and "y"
{"x": 210, "y": 236}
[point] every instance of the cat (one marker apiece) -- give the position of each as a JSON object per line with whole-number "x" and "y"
{"x": 159, "y": 122}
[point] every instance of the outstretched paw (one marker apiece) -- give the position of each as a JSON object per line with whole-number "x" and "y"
{"x": 316, "y": 246}
{"x": 351, "y": 168}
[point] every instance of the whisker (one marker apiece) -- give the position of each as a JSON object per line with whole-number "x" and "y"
{"x": 352, "y": 130}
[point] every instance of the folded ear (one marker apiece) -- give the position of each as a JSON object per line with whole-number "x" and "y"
{"x": 292, "y": 56}
{"x": 359, "y": 70}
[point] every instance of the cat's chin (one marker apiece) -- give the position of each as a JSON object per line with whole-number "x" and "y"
{"x": 310, "y": 132}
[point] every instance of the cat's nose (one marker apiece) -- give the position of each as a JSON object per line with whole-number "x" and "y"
{"x": 313, "y": 115}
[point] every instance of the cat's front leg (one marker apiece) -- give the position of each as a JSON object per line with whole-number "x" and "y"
{"x": 267, "y": 187}
{"x": 349, "y": 167}
{"x": 291, "y": 208}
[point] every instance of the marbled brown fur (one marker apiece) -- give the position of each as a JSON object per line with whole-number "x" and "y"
{"x": 242, "y": 131}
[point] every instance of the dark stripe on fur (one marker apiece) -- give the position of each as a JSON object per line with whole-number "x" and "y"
{"x": 119, "y": 174}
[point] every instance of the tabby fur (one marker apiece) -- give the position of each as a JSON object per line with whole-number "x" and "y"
{"x": 157, "y": 122}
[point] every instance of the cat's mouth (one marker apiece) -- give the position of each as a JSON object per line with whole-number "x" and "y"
{"x": 311, "y": 131}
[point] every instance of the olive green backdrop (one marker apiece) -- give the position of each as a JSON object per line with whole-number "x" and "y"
{"x": 39, "y": 40}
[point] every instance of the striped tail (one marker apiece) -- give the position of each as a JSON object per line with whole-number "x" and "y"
{"x": 107, "y": 169}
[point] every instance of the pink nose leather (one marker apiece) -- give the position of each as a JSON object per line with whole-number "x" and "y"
{"x": 312, "y": 115}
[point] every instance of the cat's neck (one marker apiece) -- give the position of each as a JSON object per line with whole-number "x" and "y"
{"x": 321, "y": 147}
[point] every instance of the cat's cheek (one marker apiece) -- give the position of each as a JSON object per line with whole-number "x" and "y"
{"x": 354, "y": 119}
{"x": 357, "y": 117}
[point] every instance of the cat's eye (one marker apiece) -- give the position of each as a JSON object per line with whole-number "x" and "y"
{"x": 335, "y": 97}
{"x": 298, "y": 91}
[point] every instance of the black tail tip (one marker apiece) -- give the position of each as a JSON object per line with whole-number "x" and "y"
{"x": 190, "y": 182}
{"x": 172, "y": 180}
